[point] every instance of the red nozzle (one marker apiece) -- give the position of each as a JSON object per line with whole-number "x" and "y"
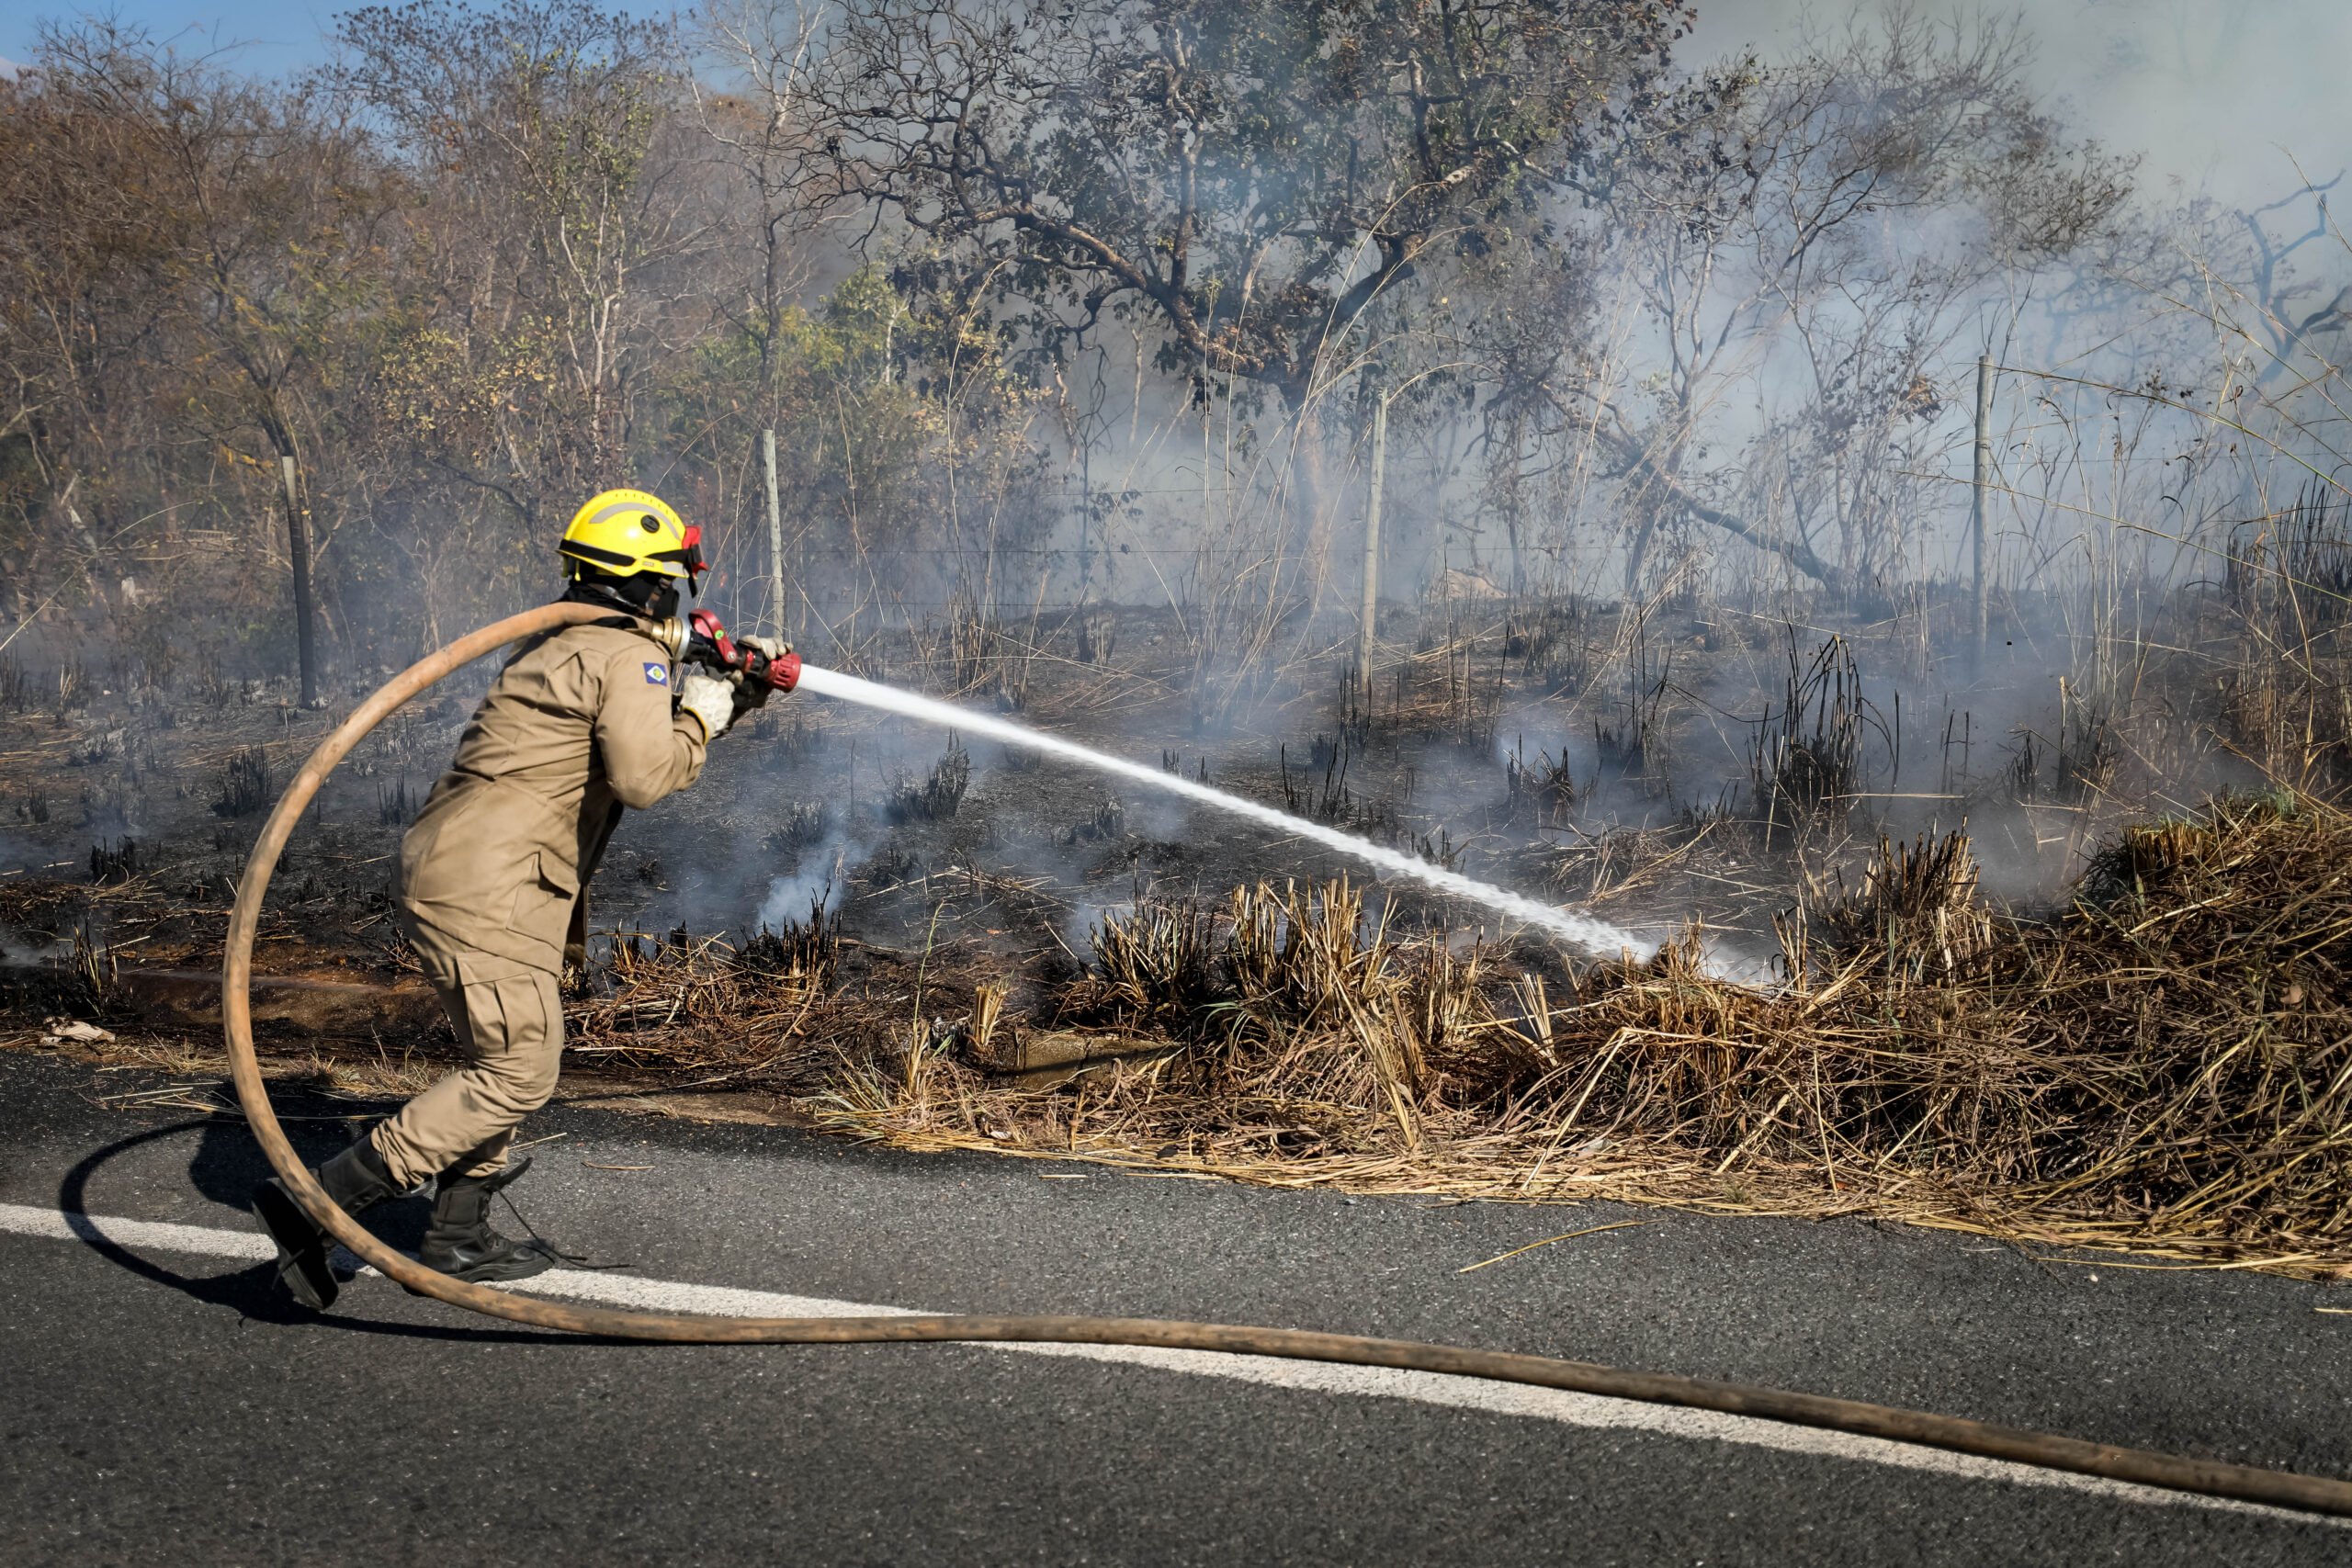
{"x": 781, "y": 673}
{"x": 707, "y": 626}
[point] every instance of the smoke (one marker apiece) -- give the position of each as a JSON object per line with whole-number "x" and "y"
{"x": 2226, "y": 103}
{"x": 1088, "y": 916}
{"x": 2231, "y": 104}
{"x": 1182, "y": 481}
{"x": 2220, "y": 99}
{"x": 819, "y": 883}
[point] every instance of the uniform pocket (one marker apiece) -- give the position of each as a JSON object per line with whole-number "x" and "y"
{"x": 543, "y": 903}
{"x": 554, "y": 876}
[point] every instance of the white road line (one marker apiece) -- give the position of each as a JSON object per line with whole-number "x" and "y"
{"x": 1585, "y": 1410}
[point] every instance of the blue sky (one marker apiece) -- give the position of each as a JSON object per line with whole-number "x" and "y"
{"x": 274, "y": 34}
{"x": 269, "y": 36}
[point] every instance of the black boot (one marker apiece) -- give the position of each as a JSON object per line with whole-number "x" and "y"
{"x": 460, "y": 1242}
{"x": 356, "y": 1179}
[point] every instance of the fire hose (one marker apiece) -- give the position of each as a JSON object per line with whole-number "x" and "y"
{"x": 1956, "y": 1434}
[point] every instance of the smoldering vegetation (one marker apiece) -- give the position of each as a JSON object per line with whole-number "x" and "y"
{"x": 1819, "y": 515}
{"x": 2134, "y": 1037}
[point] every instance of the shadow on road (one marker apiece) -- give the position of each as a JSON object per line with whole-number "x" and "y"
{"x": 224, "y": 1167}
{"x": 227, "y": 1161}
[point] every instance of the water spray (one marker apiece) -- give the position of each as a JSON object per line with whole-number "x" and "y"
{"x": 704, "y": 641}
{"x": 2179, "y": 1473}
{"x": 1595, "y": 937}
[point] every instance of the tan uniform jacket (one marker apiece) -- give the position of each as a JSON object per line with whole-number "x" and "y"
{"x": 578, "y": 726}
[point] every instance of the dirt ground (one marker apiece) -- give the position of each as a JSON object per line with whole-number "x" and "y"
{"x": 857, "y": 922}
{"x": 1576, "y": 758}
{"x": 126, "y": 815}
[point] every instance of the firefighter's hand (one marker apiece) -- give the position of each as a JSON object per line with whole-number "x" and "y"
{"x": 710, "y": 701}
{"x": 749, "y": 693}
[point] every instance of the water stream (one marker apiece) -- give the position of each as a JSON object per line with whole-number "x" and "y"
{"x": 1596, "y": 937}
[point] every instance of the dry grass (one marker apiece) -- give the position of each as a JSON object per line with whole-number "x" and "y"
{"x": 2167, "y": 1064}
{"x": 1916, "y": 906}
{"x": 2162, "y": 1064}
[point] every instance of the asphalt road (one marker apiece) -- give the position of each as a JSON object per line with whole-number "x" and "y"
{"x": 158, "y": 1405}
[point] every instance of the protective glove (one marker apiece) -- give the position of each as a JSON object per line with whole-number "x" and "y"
{"x": 710, "y": 701}
{"x": 750, "y": 693}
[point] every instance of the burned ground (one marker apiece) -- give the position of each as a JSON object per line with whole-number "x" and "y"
{"x": 2131, "y": 1035}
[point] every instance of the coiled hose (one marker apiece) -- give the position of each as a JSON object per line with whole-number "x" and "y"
{"x": 2175, "y": 1473}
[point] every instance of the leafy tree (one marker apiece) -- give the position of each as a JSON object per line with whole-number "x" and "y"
{"x": 1239, "y": 180}
{"x": 889, "y": 474}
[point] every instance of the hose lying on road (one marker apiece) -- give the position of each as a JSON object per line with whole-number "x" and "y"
{"x": 2175, "y": 1472}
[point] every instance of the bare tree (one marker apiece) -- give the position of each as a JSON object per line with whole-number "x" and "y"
{"x": 1839, "y": 216}
{"x": 1242, "y": 181}
{"x": 258, "y": 205}
{"x": 760, "y": 125}
{"x": 552, "y": 208}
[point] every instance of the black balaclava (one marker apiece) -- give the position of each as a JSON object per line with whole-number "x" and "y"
{"x": 647, "y": 593}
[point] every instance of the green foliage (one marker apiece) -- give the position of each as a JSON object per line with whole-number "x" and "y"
{"x": 468, "y": 276}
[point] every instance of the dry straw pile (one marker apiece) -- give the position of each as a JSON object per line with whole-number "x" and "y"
{"x": 2167, "y": 1064}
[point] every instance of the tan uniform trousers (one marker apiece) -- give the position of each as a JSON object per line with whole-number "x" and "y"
{"x": 509, "y": 1021}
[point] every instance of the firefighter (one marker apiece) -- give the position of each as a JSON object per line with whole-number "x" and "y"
{"x": 582, "y": 723}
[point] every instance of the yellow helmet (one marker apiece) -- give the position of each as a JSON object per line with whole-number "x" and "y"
{"x": 624, "y": 532}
